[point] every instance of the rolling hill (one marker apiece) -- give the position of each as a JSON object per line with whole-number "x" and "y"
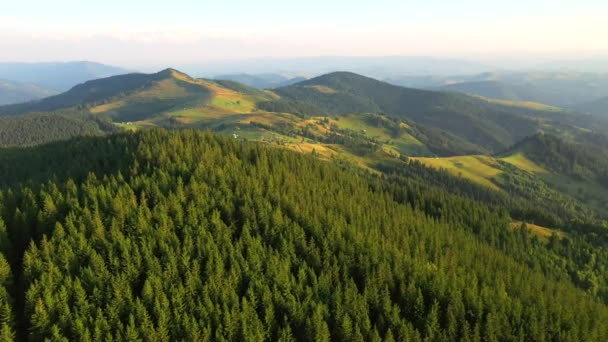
{"x": 135, "y": 97}
{"x": 546, "y": 165}
{"x": 486, "y": 124}
{"x": 385, "y": 120}
{"x": 566, "y": 89}
{"x": 167, "y": 98}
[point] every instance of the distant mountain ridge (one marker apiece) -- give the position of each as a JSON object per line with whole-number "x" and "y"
{"x": 14, "y": 92}
{"x": 58, "y": 76}
{"x": 557, "y": 88}
{"x": 493, "y": 89}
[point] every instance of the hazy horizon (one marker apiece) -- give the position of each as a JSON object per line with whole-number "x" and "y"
{"x": 146, "y": 35}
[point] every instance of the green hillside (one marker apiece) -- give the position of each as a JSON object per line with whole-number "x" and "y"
{"x": 184, "y": 235}
{"x": 488, "y": 125}
{"x": 168, "y": 99}
{"x": 174, "y": 100}
{"x": 550, "y": 167}
{"x": 434, "y": 123}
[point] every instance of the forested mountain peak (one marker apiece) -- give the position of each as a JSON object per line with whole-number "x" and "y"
{"x": 362, "y": 85}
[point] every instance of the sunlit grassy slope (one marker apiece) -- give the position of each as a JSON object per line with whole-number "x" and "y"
{"x": 520, "y": 160}
{"x": 484, "y": 169}
{"x": 521, "y": 104}
{"x": 543, "y": 233}
{"x": 479, "y": 169}
{"x": 487, "y": 171}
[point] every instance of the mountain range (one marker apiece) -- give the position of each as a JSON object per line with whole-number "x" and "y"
{"x": 558, "y": 88}
{"x": 340, "y": 207}
{"x": 465, "y": 123}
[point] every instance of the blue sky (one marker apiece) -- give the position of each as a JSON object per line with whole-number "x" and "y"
{"x": 140, "y": 31}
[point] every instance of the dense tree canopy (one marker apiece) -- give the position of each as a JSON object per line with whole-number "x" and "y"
{"x": 164, "y": 236}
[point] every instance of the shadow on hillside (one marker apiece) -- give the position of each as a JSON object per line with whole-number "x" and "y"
{"x": 70, "y": 159}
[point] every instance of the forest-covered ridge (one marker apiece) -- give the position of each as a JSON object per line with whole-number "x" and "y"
{"x": 160, "y": 235}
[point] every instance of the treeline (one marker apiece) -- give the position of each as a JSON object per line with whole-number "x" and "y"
{"x": 190, "y": 236}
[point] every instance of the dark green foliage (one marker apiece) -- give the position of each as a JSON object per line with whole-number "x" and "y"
{"x": 188, "y": 236}
{"x": 583, "y": 161}
{"x": 7, "y": 322}
{"x": 527, "y": 199}
{"x": 331, "y": 102}
{"x": 443, "y": 143}
{"x": 37, "y": 129}
{"x": 302, "y": 109}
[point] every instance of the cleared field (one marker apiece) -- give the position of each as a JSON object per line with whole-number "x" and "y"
{"x": 323, "y": 151}
{"x": 322, "y": 89}
{"x": 520, "y": 161}
{"x": 479, "y": 169}
{"x": 543, "y": 233}
{"x": 521, "y": 104}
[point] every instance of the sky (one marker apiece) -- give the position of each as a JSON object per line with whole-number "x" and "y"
{"x": 150, "y": 32}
